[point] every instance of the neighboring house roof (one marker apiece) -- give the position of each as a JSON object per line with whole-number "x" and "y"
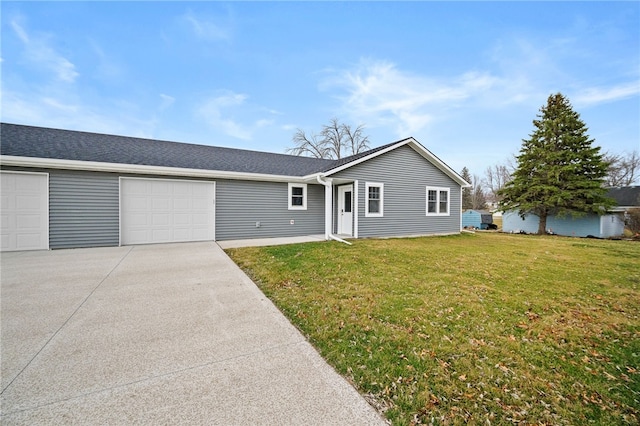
{"x": 625, "y": 196}
{"x": 46, "y": 147}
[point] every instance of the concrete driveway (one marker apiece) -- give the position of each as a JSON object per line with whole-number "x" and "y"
{"x": 160, "y": 334}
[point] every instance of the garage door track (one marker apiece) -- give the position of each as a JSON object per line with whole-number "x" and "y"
{"x": 158, "y": 334}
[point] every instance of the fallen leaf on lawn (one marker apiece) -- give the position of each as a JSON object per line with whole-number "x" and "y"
{"x": 502, "y": 367}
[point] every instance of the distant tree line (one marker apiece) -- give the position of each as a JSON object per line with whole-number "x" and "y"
{"x": 622, "y": 170}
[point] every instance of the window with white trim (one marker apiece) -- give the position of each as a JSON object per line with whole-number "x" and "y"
{"x": 437, "y": 201}
{"x": 297, "y": 196}
{"x": 374, "y": 193}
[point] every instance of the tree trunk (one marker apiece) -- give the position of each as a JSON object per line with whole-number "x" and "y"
{"x": 542, "y": 224}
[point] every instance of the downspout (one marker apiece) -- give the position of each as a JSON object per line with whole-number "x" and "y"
{"x": 328, "y": 211}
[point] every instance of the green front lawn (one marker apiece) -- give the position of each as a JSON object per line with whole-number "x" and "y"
{"x": 485, "y": 328}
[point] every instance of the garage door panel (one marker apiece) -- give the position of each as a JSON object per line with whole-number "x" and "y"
{"x": 28, "y": 222}
{"x": 5, "y": 241}
{"x": 160, "y": 188}
{"x": 28, "y": 202}
{"x": 138, "y": 219}
{"x": 161, "y": 236}
{"x": 161, "y": 203}
{"x": 172, "y": 211}
{"x": 24, "y": 239}
{"x": 24, "y": 222}
{"x": 200, "y": 204}
{"x": 139, "y": 203}
{"x": 181, "y": 219}
{"x": 183, "y": 234}
{"x": 199, "y": 220}
{"x": 161, "y": 220}
{"x": 183, "y": 204}
{"x": 138, "y": 187}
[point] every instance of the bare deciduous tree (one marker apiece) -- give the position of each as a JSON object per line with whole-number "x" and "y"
{"x": 495, "y": 178}
{"x": 335, "y": 140}
{"x": 623, "y": 170}
{"x": 478, "y": 197}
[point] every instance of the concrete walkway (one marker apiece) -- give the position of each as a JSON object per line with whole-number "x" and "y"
{"x": 160, "y": 334}
{"x": 258, "y": 242}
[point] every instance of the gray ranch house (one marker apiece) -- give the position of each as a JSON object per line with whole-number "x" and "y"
{"x": 68, "y": 189}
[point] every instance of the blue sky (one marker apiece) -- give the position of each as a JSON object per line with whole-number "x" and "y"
{"x": 465, "y": 79}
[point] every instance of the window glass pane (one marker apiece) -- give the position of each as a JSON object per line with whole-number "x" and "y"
{"x": 443, "y": 201}
{"x": 432, "y": 201}
{"x": 296, "y": 190}
{"x": 347, "y": 202}
{"x": 374, "y": 193}
{"x": 374, "y": 206}
{"x": 296, "y": 200}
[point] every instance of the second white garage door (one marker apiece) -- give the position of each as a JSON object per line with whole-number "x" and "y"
{"x": 164, "y": 211}
{"x": 24, "y": 211}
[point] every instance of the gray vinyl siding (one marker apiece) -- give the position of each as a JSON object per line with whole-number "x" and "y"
{"x": 405, "y": 175}
{"x": 240, "y": 204}
{"x": 83, "y": 209}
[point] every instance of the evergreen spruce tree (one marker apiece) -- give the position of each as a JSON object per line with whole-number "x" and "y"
{"x": 559, "y": 171}
{"x": 467, "y": 199}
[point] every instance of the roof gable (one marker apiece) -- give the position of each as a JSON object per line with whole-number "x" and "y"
{"x": 411, "y": 142}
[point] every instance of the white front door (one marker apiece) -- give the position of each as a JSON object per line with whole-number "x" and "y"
{"x": 345, "y": 210}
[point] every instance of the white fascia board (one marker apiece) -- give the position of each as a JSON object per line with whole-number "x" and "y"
{"x": 94, "y": 166}
{"x": 419, "y": 149}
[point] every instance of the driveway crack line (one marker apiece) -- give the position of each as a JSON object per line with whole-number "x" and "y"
{"x": 67, "y": 320}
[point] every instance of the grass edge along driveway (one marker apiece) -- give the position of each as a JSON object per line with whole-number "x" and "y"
{"x": 486, "y": 328}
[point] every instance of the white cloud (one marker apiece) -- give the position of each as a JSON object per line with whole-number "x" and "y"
{"x": 39, "y": 109}
{"x": 166, "y": 102}
{"x": 264, "y": 122}
{"x": 39, "y": 51}
{"x": 213, "y": 111}
{"x": 381, "y": 94}
{"x": 206, "y": 29}
{"x": 597, "y": 95}
{"x": 107, "y": 68}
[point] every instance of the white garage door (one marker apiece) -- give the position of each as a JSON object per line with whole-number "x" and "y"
{"x": 24, "y": 207}
{"x": 164, "y": 211}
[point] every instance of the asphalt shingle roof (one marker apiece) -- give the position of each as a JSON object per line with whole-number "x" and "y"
{"x": 625, "y": 195}
{"x": 40, "y": 142}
